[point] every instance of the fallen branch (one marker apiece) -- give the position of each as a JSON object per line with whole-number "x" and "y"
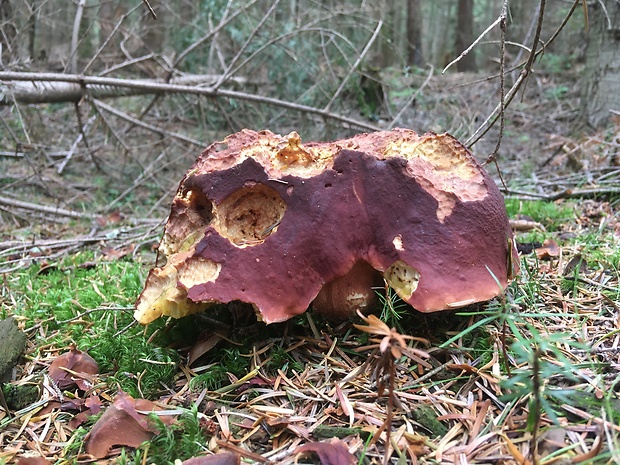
{"x": 75, "y": 87}
{"x": 565, "y": 194}
{"x": 44, "y": 208}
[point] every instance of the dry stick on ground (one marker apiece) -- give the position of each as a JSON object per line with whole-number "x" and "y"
{"x": 44, "y": 209}
{"x": 150, "y": 127}
{"x": 78, "y": 139}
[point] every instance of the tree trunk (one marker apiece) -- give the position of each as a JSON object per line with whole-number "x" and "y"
{"x": 386, "y": 38}
{"x": 7, "y": 31}
{"x": 465, "y": 35}
{"x": 414, "y": 33}
{"x": 602, "y": 76}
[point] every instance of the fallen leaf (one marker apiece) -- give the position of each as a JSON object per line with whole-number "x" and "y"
{"x": 551, "y": 441}
{"x": 223, "y": 458}
{"x": 206, "y": 342}
{"x": 548, "y": 250}
{"x": 91, "y": 406}
{"x": 330, "y": 453}
{"x": 593, "y": 452}
{"x": 113, "y": 218}
{"x": 33, "y": 461}
{"x": 575, "y": 265}
{"x": 122, "y": 425}
{"x": 110, "y": 253}
{"x": 74, "y": 368}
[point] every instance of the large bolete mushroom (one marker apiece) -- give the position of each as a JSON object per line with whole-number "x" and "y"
{"x": 267, "y": 220}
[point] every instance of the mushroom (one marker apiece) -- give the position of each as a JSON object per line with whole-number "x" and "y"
{"x": 264, "y": 219}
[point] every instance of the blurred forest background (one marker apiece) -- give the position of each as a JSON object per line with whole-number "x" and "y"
{"x": 105, "y": 104}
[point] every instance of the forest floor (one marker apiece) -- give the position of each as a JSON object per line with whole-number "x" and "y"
{"x": 525, "y": 379}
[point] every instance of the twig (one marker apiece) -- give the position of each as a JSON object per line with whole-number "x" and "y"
{"x": 245, "y": 45}
{"x": 44, "y": 209}
{"x": 150, "y": 8}
{"x": 75, "y": 35}
{"x": 565, "y": 194}
{"x": 488, "y": 123}
{"x": 468, "y": 49}
{"x": 502, "y": 91}
{"x": 411, "y": 99}
{"x": 355, "y": 65}
{"x": 211, "y": 33}
{"x": 109, "y": 38}
{"x": 148, "y": 126}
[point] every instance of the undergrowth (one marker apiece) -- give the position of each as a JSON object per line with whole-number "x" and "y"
{"x": 529, "y": 335}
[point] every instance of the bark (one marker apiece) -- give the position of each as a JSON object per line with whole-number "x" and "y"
{"x": 465, "y": 35}
{"x": 42, "y": 91}
{"x": 415, "y": 56}
{"x": 602, "y": 76}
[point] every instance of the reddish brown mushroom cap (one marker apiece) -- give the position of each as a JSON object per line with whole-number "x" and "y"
{"x": 263, "y": 219}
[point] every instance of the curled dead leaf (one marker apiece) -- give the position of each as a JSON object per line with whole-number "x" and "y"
{"x": 74, "y": 368}
{"x": 33, "y": 461}
{"x": 122, "y": 425}
{"x": 330, "y": 453}
{"x": 549, "y": 249}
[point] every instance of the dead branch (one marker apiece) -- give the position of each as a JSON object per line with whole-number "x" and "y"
{"x": 103, "y": 87}
{"x": 44, "y": 208}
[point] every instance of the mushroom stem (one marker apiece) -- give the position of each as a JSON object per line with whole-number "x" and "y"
{"x": 344, "y": 296}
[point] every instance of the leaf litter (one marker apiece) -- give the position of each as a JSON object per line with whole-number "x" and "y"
{"x": 446, "y": 401}
{"x": 531, "y": 378}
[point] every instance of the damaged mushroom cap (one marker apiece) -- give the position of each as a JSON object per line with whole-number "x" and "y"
{"x": 267, "y": 220}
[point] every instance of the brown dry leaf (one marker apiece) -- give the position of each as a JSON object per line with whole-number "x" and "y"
{"x": 205, "y": 343}
{"x": 549, "y": 249}
{"x": 576, "y": 264}
{"x": 91, "y": 406}
{"x": 223, "y": 458}
{"x": 514, "y": 451}
{"x": 33, "y": 461}
{"x": 330, "y": 453}
{"x": 462, "y": 367}
{"x": 110, "y": 253}
{"x": 347, "y": 408}
{"x": 122, "y": 425}
{"x": 74, "y": 368}
{"x": 113, "y": 218}
{"x": 593, "y": 452}
{"x": 375, "y": 326}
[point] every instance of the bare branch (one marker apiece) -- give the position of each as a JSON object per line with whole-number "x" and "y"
{"x": 75, "y": 36}
{"x": 150, "y": 8}
{"x": 96, "y": 84}
{"x": 469, "y": 49}
{"x": 245, "y": 45}
{"x": 44, "y": 208}
{"x": 356, "y": 64}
